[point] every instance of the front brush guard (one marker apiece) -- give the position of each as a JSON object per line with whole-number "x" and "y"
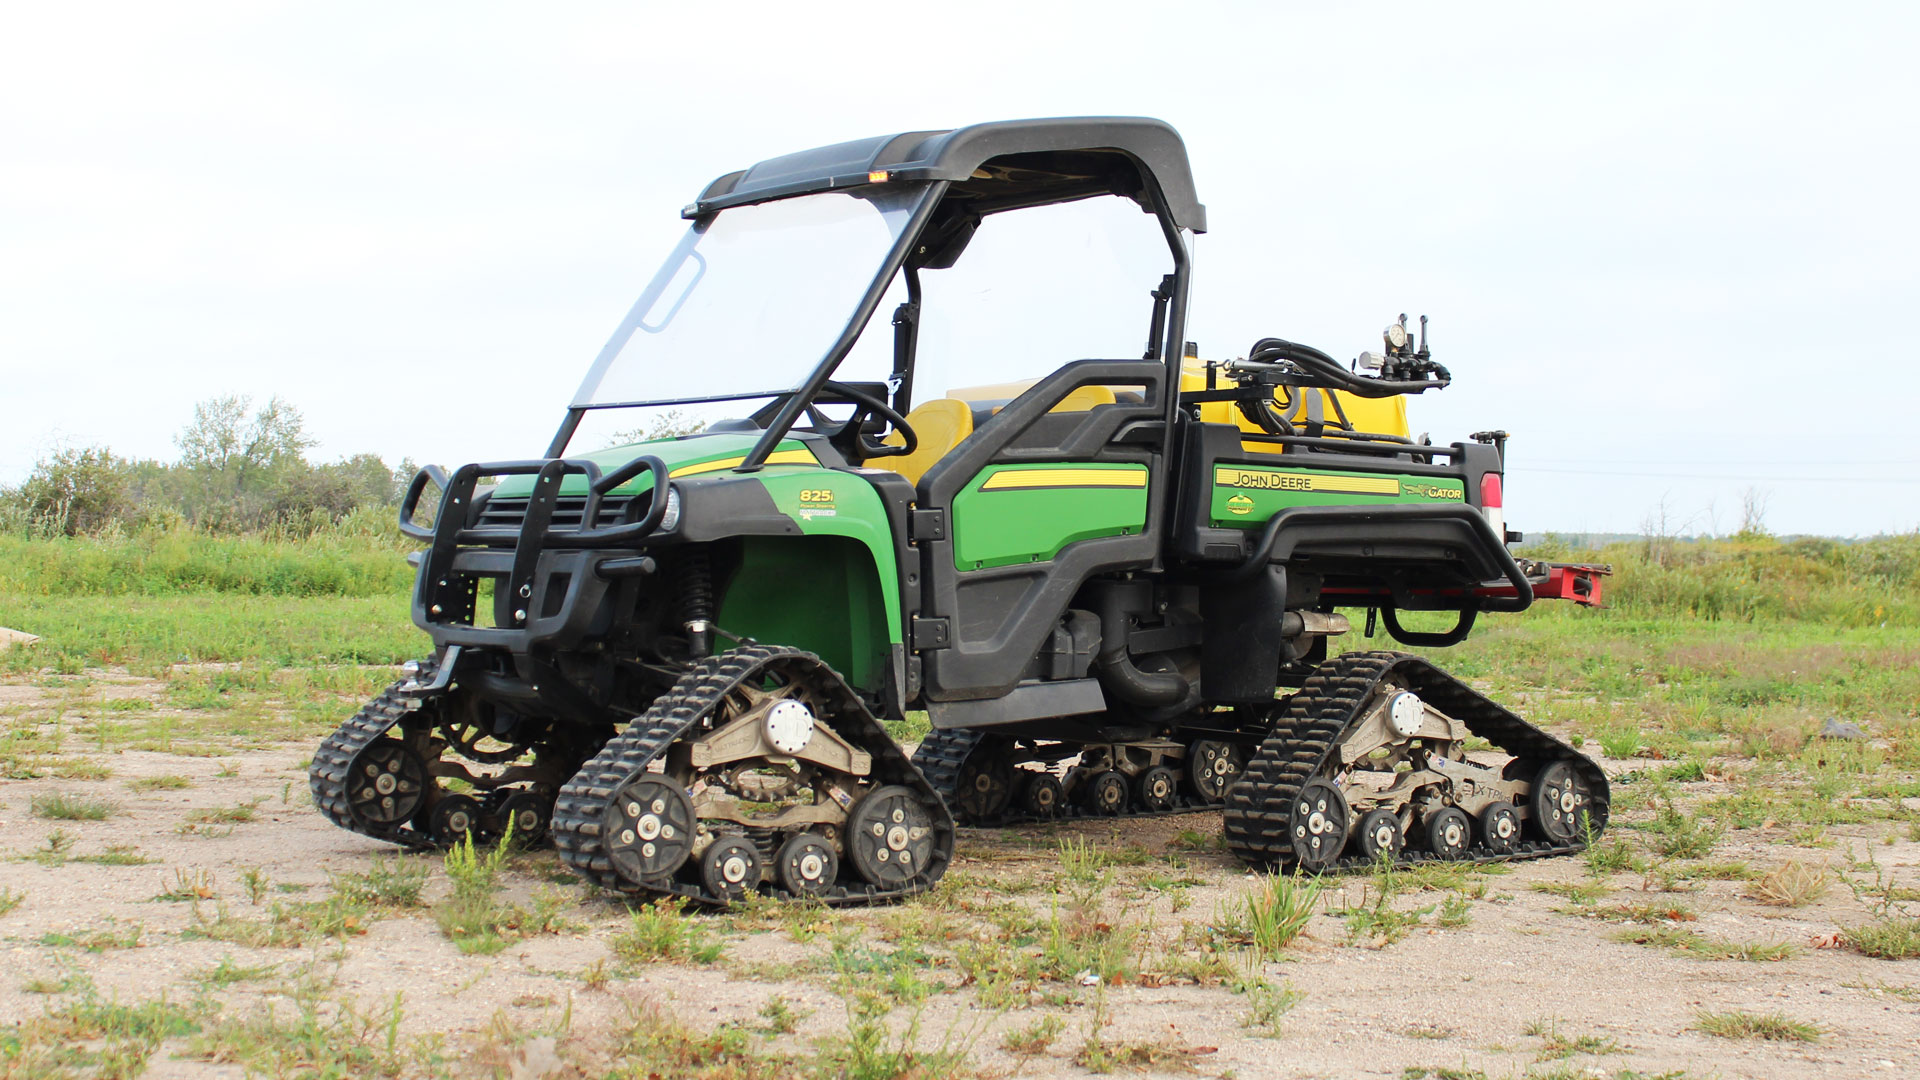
{"x": 445, "y": 590}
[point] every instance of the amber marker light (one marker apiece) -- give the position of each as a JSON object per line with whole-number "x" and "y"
{"x": 877, "y": 176}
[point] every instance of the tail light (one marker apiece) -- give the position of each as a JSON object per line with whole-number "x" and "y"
{"x": 1492, "y": 504}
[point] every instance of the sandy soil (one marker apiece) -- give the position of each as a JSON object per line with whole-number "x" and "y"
{"x": 1455, "y": 998}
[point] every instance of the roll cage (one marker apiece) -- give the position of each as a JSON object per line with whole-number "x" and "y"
{"x": 966, "y": 175}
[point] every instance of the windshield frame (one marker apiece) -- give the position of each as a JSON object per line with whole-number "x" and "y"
{"x": 792, "y": 398}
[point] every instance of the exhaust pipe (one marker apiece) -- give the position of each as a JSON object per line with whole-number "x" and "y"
{"x": 1117, "y": 674}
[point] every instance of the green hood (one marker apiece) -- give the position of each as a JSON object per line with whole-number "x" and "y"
{"x": 687, "y": 456}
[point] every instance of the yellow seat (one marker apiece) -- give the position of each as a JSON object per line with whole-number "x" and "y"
{"x": 941, "y": 424}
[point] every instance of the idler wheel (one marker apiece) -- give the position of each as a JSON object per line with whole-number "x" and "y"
{"x": 648, "y": 829}
{"x": 1449, "y": 834}
{"x": 890, "y": 837}
{"x": 1378, "y": 832}
{"x": 730, "y": 868}
{"x": 1500, "y": 828}
{"x": 985, "y": 785}
{"x": 454, "y": 818}
{"x": 1318, "y": 826}
{"x": 1212, "y": 767}
{"x": 387, "y": 784}
{"x": 1040, "y": 794}
{"x": 1561, "y": 803}
{"x": 1157, "y": 787}
{"x": 529, "y": 813}
{"x": 806, "y": 865}
{"x": 1105, "y": 793}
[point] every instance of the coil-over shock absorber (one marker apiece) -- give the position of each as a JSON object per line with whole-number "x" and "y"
{"x": 696, "y": 601}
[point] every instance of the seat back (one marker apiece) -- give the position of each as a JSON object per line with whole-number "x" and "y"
{"x": 941, "y": 424}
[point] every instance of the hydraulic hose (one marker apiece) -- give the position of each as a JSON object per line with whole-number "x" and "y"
{"x": 1316, "y": 363}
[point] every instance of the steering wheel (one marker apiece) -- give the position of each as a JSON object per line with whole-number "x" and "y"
{"x": 868, "y": 403}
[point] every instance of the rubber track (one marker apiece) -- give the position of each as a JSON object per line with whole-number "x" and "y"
{"x": 1333, "y": 697}
{"x": 1259, "y": 802}
{"x": 583, "y": 801}
{"x": 327, "y": 774}
{"x": 941, "y": 754}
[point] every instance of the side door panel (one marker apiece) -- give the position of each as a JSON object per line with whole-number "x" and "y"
{"x": 1037, "y": 502}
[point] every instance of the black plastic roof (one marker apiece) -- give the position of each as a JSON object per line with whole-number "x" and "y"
{"x": 1038, "y": 147}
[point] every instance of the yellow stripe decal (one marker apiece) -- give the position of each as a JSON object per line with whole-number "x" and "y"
{"x": 1016, "y": 479}
{"x": 778, "y": 457}
{"x": 1268, "y": 480}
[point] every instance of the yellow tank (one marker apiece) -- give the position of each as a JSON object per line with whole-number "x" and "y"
{"x": 1381, "y": 416}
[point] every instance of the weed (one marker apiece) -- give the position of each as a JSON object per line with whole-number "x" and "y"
{"x": 473, "y": 918}
{"x": 1721, "y": 871}
{"x": 869, "y": 984}
{"x": 1267, "y": 1006}
{"x": 69, "y": 980}
{"x": 286, "y": 925}
{"x": 188, "y": 886}
{"x": 88, "y": 1036}
{"x": 1690, "y": 943}
{"x": 1608, "y": 857}
{"x": 60, "y": 806}
{"x": 254, "y": 880}
{"x": 779, "y": 1017}
{"x": 1775, "y": 1027}
{"x": 1678, "y": 835}
{"x": 1034, "y": 1039}
{"x": 10, "y": 899}
{"x": 227, "y": 972}
{"x": 1791, "y": 884}
{"x": 1086, "y": 865}
{"x": 595, "y": 976}
{"x": 113, "y": 936}
{"x": 160, "y": 783}
{"x": 1887, "y": 939}
{"x": 314, "y": 1038}
{"x": 657, "y": 1044}
{"x": 1580, "y": 892}
{"x": 239, "y": 814}
{"x": 1555, "y": 1045}
{"x": 1658, "y": 913}
{"x": 1379, "y": 921}
{"x": 1277, "y": 910}
{"x": 391, "y": 884}
{"x": 660, "y": 932}
{"x": 1455, "y": 912}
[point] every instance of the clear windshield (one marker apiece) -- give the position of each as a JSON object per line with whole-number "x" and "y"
{"x": 750, "y": 300}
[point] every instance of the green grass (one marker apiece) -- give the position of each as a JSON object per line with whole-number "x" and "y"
{"x": 1889, "y": 939}
{"x": 1690, "y": 943}
{"x": 176, "y": 562}
{"x": 61, "y": 806}
{"x": 1773, "y": 1027}
{"x": 661, "y": 933}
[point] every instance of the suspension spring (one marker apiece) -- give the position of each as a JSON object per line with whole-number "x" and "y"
{"x": 696, "y": 601}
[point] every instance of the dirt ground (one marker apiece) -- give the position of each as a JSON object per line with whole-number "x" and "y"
{"x": 1502, "y": 994}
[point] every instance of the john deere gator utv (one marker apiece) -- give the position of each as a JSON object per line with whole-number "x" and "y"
{"x": 1110, "y": 588}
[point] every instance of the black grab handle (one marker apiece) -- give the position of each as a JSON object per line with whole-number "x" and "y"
{"x": 431, "y": 474}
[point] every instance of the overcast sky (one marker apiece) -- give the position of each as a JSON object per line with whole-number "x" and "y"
{"x": 1670, "y": 247}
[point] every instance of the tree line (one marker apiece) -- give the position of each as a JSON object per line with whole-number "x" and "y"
{"x": 241, "y": 469}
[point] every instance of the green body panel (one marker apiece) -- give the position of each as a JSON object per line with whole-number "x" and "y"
{"x": 809, "y": 594}
{"x": 1027, "y": 513}
{"x": 826, "y": 503}
{"x": 820, "y": 594}
{"x": 678, "y": 454}
{"x": 1247, "y": 495}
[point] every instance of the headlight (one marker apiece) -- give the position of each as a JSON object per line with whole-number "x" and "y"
{"x": 671, "y": 517}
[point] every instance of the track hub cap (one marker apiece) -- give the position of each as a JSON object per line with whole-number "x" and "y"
{"x": 789, "y": 726}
